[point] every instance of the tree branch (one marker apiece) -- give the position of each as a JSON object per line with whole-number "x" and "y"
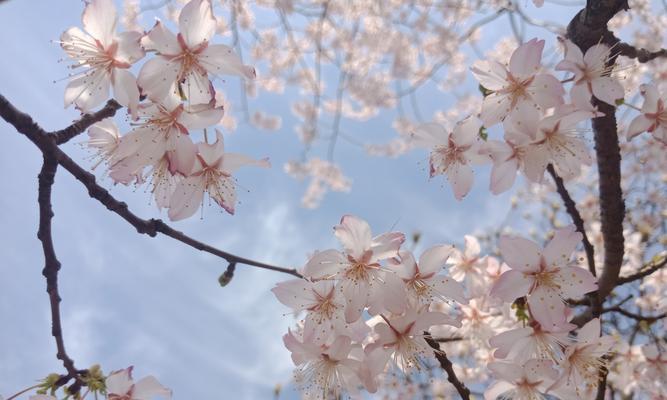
{"x": 647, "y": 270}
{"x": 46, "y": 178}
{"x": 571, "y": 208}
{"x": 46, "y": 143}
{"x": 642, "y": 55}
{"x": 464, "y": 392}
{"x": 80, "y": 126}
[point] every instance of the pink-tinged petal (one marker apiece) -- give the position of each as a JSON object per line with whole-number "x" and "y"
{"x": 590, "y": 332}
{"x": 660, "y": 134}
{"x": 182, "y": 158}
{"x": 89, "y": 90}
{"x": 296, "y": 293}
{"x": 538, "y": 3}
{"x": 161, "y": 40}
{"x": 492, "y": 75}
{"x": 651, "y": 98}
{"x": 460, "y": 176}
{"x": 219, "y": 59}
{"x": 404, "y": 266}
{"x": 429, "y": 135}
{"x": 497, "y": 389}
{"x": 448, "y": 288}
{"x": 129, "y": 47}
{"x": 201, "y": 116}
{"x": 75, "y": 42}
{"x": 196, "y": 22}
{"x": 125, "y": 89}
{"x": 224, "y": 193}
{"x": 520, "y": 253}
{"x": 526, "y": 59}
{"x": 393, "y": 293}
{"x": 466, "y": 132}
{"x": 386, "y": 245}
{"x": 340, "y": 348}
{"x": 546, "y": 90}
{"x": 581, "y": 95}
{"x": 197, "y": 88}
{"x": 638, "y": 125}
{"x": 99, "y": 19}
{"x": 104, "y": 135}
{"x": 495, "y": 108}
{"x": 433, "y": 259}
{"x": 535, "y": 162}
{"x": 511, "y": 285}
{"x": 157, "y": 76}
{"x": 505, "y": 341}
{"x": 231, "y": 162}
{"x": 503, "y": 176}
{"x": 212, "y": 153}
{"x": 576, "y": 281}
{"x": 558, "y": 251}
{"x": 325, "y": 263}
{"x": 148, "y": 387}
{"x": 540, "y": 370}
{"x": 507, "y": 371}
{"x": 355, "y": 236}
{"x": 187, "y": 198}
{"x": 428, "y": 319}
{"x": 356, "y": 299}
{"x": 608, "y": 90}
{"x": 596, "y": 56}
{"x": 569, "y": 158}
{"x": 472, "y": 247}
{"x": 546, "y": 307}
{"x": 573, "y": 53}
{"x": 498, "y": 150}
{"x": 119, "y": 382}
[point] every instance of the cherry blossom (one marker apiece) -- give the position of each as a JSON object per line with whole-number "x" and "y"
{"x": 467, "y": 266}
{"x": 521, "y": 344}
{"x": 653, "y": 117}
{"x": 163, "y": 130}
{"x": 325, "y": 369}
{"x": 212, "y": 174}
{"x": 423, "y": 283}
{"x": 521, "y": 382}
{"x": 184, "y": 61}
{"x": 321, "y": 300}
{"x": 452, "y": 153}
{"x": 121, "y": 386}
{"x": 583, "y": 360}
{"x": 107, "y": 57}
{"x": 545, "y": 275}
{"x": 358, "y": 270}
{"x": 403, "y": 336}
{"x": 591, "y": 73}
{"x": 104, "y": 139}
{"x": 521, "y": 83}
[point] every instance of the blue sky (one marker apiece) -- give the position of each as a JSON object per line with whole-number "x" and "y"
{"x": 153, "y": 302}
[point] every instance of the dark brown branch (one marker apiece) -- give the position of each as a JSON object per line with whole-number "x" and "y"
{"x": 642, "y": 55}
{"x": 25, "y": 125}
{"x": 441, "y": 356}
{"x": 647, "y": 270}
{"x": 52, "y": 265}
{"x": 571, "y": 208}
{"x": 588, "y": 28}
{"x": 636, "y": 317}
{"x": 80, "y": 126}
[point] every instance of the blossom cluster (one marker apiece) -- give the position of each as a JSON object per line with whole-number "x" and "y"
{"x": 368, "y": 310}
{"x": 539, "y": 126}
{"x": 172, "y": 97}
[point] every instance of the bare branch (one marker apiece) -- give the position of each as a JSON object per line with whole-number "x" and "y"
{"x": 646, "y": 270}
{"x": 52, "y": 265}
{"x": 642, "y": 55}
{"x": 80, "y": 126}
{"x": 464, "y": 392}
{"x": 571, "y": 208}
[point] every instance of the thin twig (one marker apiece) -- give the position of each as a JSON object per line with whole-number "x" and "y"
{"x": 571, "y": 208}
{"x": 441, "y": 356}
{"x": 80, "y": 126}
